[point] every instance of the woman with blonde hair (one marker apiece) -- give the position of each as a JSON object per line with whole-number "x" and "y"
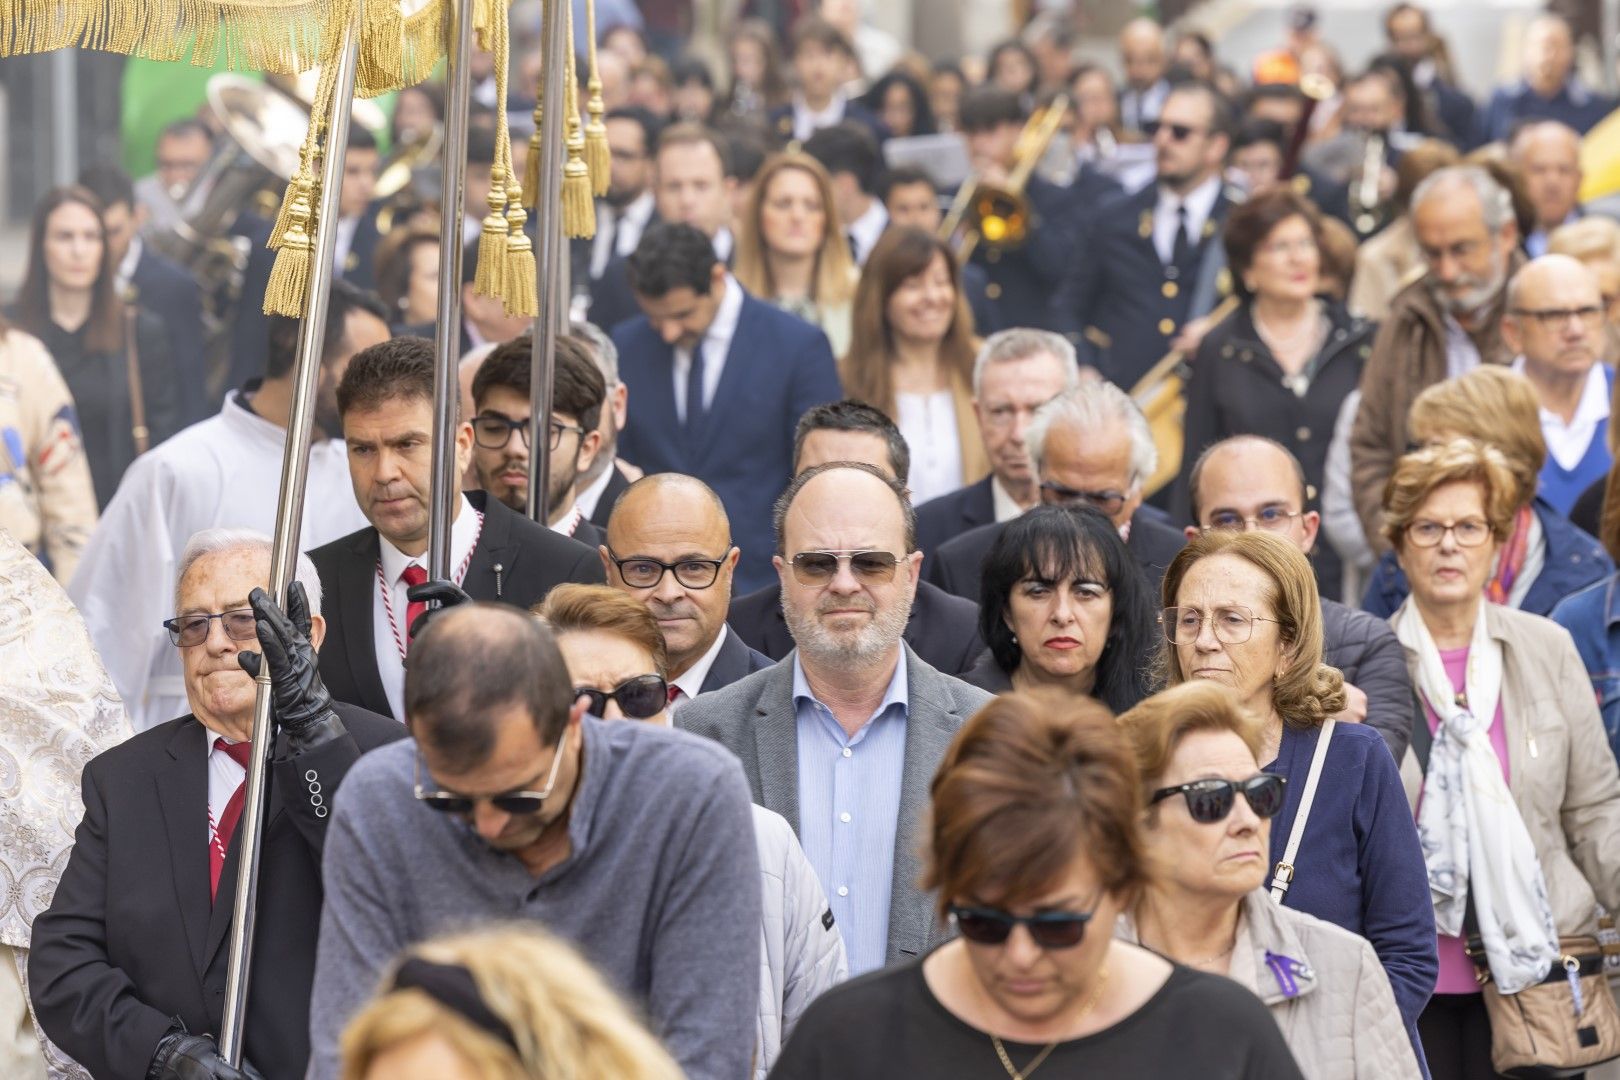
{"x": 499, "y": 1003}
{"x": 912, "y": 358}
{"x": 791, "y": 248}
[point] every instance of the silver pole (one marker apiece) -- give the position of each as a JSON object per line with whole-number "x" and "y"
{"x": 284, "y": 550}
{"x": 64, "y": 103}
{"x": 447, "y": 333}
{"x": 1611, "y": 44}
{"x": 550, "y": 257}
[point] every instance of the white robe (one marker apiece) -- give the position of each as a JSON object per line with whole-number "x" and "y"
{"x": 224, "y": 472}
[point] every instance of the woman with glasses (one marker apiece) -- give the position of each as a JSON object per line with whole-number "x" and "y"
{"x": 1242, "y": 610}
{"x": 1519, "y": 808}
{"x": 1035, "y": 849}
{"x": 1065, "y": 611}
{"x": 1207, "y": 830}
{"x": 616, "y": 656}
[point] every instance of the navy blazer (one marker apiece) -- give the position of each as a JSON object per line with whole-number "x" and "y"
{"x": 360, "y": 263}
{"x": 167, "y": 289}
{"x": 780, "y": 120}
{"x": 610, "y": 495}
{"x": 1023, "y": 280}
{"x": 735, "y": 661}
{"x": 778, "y": 366}
{"x": 954, "y": 513}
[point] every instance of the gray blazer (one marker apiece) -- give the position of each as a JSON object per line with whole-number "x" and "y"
{"x": 754, "y": 718}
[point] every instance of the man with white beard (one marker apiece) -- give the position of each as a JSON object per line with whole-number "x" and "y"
{"x": 843, "y": 736}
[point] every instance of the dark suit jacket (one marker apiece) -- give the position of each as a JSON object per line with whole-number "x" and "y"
{"x": 589, "y": 534}
{"x": 734, "y": 661}
{"x": 943, "y": 629}
{"x": 166, "y": 289}
{"x": 957, "y": 567}
{"x": 780, "y": 121}
{"x": 530, "y": 557}
{"x": 610, "y": 495}
{"x": 131, "y": 939}
{"x": 778, "y": 366}
{"x": 360, "y": 265}
{"x": 949, "y": 516}
{"x": 976, "y": 284}
{"x": 250, "y": 326}
{"x": 1022, "y": 280}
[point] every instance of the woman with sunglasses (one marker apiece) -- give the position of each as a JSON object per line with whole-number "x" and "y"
{"x": 1207, "y": 828}
{"x": 1534, "y": 859}
{"x": 1242, "y": 610}
{"x": 616, "y": 656}
{"x": 1035, "y": 850}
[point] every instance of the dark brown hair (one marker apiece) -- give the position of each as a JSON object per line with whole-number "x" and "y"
{"x": 393, "y": 263}
{"x": 577, "y": 386}
{"x": 104, "y": 329}
{"x": 814, "y": 30}
{"x": 1250, "y": 223}
{"x": 401, "y": 367}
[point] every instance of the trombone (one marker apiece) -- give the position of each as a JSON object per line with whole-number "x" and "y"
{"x": 1000, "y": 215}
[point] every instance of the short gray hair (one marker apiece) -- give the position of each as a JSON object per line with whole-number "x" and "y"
{"x": 1020, "y": 343}
{"x": 213, "y": 541}
{"x": 603, "y": 351}
{"x": 1495, "y": 200}
{"x": 1088, "y": 407}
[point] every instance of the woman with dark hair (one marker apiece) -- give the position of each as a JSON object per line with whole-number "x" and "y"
{"x": 758, "y": 76}
{"x": 115, "y": 357}
{"x": 946, "y": 86}
{"x": 694, "y": 90}
{"x": 901, "y": 103}
{"x": 1035, "y": 849}
{"x": 408, "y": 276}
{"x": 1013, "y": 67}
{"x": 1065, "y": 611}
{"x": 911, "y": 357}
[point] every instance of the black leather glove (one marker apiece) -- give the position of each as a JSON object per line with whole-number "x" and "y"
{"x": 301, "y": 699}
{"x": 447, "y": 593}
{"x": 181, "y": 1056}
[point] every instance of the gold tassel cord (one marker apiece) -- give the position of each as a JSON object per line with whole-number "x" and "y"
{"x": 490, "y": 273}
{"x": 289, "y": 278}
{"x": 520, "y": 270}
{"x": 531, "y": 164}
{"x": 597, "y": 155}
{"x": 579, "y": 211}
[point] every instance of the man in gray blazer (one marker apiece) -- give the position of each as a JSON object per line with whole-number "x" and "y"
{"x": 842, "y": 737}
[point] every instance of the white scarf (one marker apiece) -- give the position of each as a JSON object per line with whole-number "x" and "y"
{"x": 1466, "y": 800}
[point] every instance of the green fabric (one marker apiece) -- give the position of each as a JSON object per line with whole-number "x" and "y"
{"x": 156, "y": 94}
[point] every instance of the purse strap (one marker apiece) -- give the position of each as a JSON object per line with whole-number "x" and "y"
{"x": 137, "y": 400}
{"x": 1284, "y": 875}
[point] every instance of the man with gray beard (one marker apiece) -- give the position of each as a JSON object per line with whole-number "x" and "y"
{"x": 1442, "y": 325}
{"x": 842, "y": 737}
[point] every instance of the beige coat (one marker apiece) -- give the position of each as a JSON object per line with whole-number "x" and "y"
{"x": 1561, "y": 771}
{"x": 1386, "y": 264}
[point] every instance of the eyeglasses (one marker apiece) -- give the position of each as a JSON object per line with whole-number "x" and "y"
{"x": 1209, "y": 801}
{"x": 640, "y": 698}
{"x": 187, "y": 630}
{"x": 494, "y": 432}
{"x": 640, "y": 572}
{"x": 517, "y": 803}
{"x": 1177, "y": 132}
{"x": 1470, "y": 532}
{"x": 1109, "y": 502}
{"x": 1556, "y": 318}
{"x": 1270, "y": 518}
{"x": 1049, "y": 929}
{"x": 1233, "y": 625}
{"x": 820, "y": 567}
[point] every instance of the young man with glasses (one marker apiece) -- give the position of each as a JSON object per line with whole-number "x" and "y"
{"x": 633, "y": 842}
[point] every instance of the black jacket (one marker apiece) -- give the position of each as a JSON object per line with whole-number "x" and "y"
{"x": 610, "y": 495}
{"x": 131, "y": 940}
{"x": 943, "y": 629}
{"x": 950, "y": 515}
{"x": 1366, "y": 649}
{"x": 167, "y": 289}
{"x": 733, "y": 662}
{"x": 516, "y": 562}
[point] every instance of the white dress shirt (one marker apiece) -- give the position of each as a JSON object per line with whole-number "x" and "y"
{"x": 346, "y": 228}
{"x": 1006, "y": 507}
{"x": 928, "y": 422}
{"x": 723, "y": 242}
{"x": 806, "y": 123}
{"x": 1200, "y": 203}
{"x": 691, "y": 680}
{"x": 866, "y": 229}
{"x": 619, "y": 231}
{"x": 590, "y": 496}
{"x": 716, "y": 343}
{"x": 224, "y": 777}
{"x": 1462, "y": 355}
{"x": 1567, "y": 443}
{"x": 126, "y": 265}
{"x": 464, "y": 532}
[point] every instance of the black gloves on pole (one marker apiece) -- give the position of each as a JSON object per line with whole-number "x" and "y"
{"x": 181, "y": 1056}
{"x": 447, "y": 593}
{"x": 302, "y": 705}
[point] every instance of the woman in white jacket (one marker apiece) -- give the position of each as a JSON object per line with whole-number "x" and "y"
{"x": 615, "y": 654}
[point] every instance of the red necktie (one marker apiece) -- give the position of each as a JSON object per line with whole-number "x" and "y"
{"x": 674, "y": 692}
{"x": 225, "y": 828}
{"x": 413, "y": 575}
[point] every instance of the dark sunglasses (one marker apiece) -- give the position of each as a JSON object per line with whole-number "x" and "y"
{"x": 516, "y": 803}
{"x": 640, "y": 698}
{"x": 820, "y": 567}
{"x": 1209, "y": 801}
{"x": 1178, "y": 132}
{"x": 1049, "y": 929}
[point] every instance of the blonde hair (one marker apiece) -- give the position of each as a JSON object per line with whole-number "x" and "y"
{"x": 1460, "y": 461}
{"x": 1156, "y": 726}
{"x": 1309, "y": 691}
{"x": 835, "y": 275}
{"x": 1594, "y": 237}
{"x": 572, "y": 607}
{"x": 1493, "y": 405}
{"x": 566, "y": 1020}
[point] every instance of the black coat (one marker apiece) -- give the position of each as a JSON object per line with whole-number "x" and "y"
{"x": 779, "y": 121}
{"x": 166, "y": 289}
{"x": 610, "y": 495}
{"x": 131, "y": 939}
{"x": 516, "y": 562}
{"x": 735, "y": 661}
{"x": 943, "y": 629}
{"x": 950, "y": 515}
{"x": 1022, "y": 280}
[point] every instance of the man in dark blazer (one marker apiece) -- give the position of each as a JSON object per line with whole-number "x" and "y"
{"x": 127, "y": 968}
{"x": 822, "y": 56}
{"x": 717, "y": 382}
{"x": 385, "y": 401}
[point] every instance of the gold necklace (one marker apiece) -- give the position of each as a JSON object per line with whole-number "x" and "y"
{"x": 1046, "y": 1051}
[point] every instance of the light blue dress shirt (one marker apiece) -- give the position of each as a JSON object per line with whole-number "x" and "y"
{"x": 849, "y": 805}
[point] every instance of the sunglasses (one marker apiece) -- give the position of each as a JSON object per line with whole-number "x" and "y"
{"x": 1049, "y": 929}
{"x": 516, "y": 803}
{"x": 1209, "y": 801}
{"x": 1177, "y": 132}
{"x": 186, "y": 631}
{"x": 640, "y": 698}
{"x": 820, "y": 567}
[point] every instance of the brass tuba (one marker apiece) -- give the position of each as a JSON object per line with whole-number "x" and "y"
{"x": 1000, "y": 215}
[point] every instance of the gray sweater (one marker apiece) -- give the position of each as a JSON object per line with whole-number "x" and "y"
{"x": 661, "y": 891}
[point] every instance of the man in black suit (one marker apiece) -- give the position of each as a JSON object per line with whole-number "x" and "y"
{"x": 601, "y": 482}
{"x": 1090, "y": 445}
{"x": 942, "y": 629}
{"x": 356, "y": 254}
{"x": 822, "y": 56}
{"x": 629, "y": 205}
{"x": 376, "y": 578}
{"x": 669, "y": 546}
{"x": 127, "y": 967}
{"x": 854, "y": 163}
{"x": 1015, "y": 373}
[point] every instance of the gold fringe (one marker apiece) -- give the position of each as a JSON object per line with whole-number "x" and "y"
{"x": 597, "y": 155}
{"x": 579, "y": 211}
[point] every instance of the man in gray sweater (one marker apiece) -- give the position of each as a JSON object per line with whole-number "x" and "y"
{"x": 631, "y": 841}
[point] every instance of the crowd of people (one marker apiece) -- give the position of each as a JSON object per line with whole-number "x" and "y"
{"x": 1163, "y": 623}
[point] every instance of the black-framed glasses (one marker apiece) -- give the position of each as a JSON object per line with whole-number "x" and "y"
{"x": 642, "y": 572}
{"x": 640, "y": 698}
{"x": 1177, "y": 132}
{"x": 820, "y": 567}
{"x": 1233, "y": 624}
{"x": 493, "y": 432}
{"x": 1211, "y": 800}
{"x": 1557, "y": 318}
{"x": 1110, "y": 502}
{"x": 186, "y": 631}
{"x": 1469, "y": 532}
{"x": 1048, "y": 929}
{"x": 517, "y": 803}
{"x": 1270, "y": 518}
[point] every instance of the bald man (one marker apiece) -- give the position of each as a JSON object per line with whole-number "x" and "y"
{"x": 1548, "y": 157}
{"x": 1554, "y": 321}
{"x": 1142, "y": 53}
{"x": 669, "y": 546}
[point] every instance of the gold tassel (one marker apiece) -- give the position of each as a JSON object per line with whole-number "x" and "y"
{"x": 520, "y": 285}
{"x": 531, "y": 164}
{"x": 492, "y": 241}
{"x": 579, "y": 211}
{"x": 289, "y": 278}
{"x": 597, "y": 155}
